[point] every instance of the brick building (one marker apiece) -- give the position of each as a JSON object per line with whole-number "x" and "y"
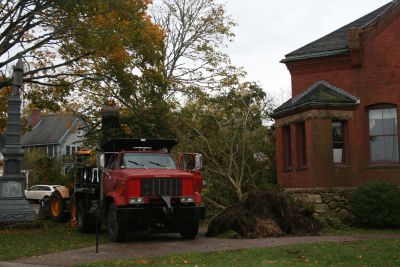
{"x": 340, "y": 128}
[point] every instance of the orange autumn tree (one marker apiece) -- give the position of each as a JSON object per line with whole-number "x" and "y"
{"x": 3, "y": 108}
{"x": 78, "y": 45}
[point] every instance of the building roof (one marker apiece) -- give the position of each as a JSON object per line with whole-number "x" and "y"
{"x": 51, "y": 129}
{"x": 321, "y": 94}
{"x": 337, "y": 42}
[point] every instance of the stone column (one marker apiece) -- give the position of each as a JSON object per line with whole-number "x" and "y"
{"x": 14, "y": 208}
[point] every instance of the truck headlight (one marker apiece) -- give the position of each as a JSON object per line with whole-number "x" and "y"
{"x": 187, "y": 199}
{"x": 136, "y": 200}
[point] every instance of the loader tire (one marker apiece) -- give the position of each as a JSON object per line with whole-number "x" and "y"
{"x": 57, "y": 208}
{"x": 86, "y": 221}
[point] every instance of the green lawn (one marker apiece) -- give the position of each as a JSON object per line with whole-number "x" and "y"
{"x": 359, "y": 231}
{"x": 49, "y": 237}
{"x": 56, "y": 237}
{"x": 361, "y": 253}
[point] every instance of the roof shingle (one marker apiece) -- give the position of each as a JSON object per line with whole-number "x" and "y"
{"x": 50, "y": 130}
{"x": 336, "y": 42}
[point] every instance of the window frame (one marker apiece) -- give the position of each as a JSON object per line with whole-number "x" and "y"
{"x": 382, "y": 107}
{"x": 301, "y": 145}
{"x": 345, "y": 155}
{"x": 287, "y": 148}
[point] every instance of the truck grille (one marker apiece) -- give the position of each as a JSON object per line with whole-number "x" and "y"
{"x": 161, "y": 187}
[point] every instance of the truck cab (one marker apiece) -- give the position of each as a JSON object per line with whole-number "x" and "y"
{"x": 142, "y": 188}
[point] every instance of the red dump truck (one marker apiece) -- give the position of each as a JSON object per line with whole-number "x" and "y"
{"x": 135, "y": 185}
{"x": 132, "y": 184}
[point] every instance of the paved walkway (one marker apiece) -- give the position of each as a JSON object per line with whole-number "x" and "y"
{"x": 148, "y": 246}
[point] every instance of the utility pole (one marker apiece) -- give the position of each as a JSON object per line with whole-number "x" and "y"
{"x": 14, "y": 208}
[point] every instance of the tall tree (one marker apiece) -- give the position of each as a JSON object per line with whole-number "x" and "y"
{"x": 3, "y": 108}
{"x": 196, "y": 32}
{"x": 229, "y": 130}
{"x": 69, "y": 43}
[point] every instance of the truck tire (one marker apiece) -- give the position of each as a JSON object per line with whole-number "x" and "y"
{"x": 116, "y": 230}
{"x": 82, "y": 218}
{"x": 189, "y": 229}
{"x": 72, "y": 210}
{"x": 57, "y": 208}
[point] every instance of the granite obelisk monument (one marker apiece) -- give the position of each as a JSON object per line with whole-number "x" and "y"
{"x": 14, "y": 208}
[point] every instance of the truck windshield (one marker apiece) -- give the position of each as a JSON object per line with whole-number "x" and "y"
{"x": 148, "y": 160}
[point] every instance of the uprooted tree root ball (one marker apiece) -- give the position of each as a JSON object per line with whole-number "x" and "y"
{"x": 264, "y": 214}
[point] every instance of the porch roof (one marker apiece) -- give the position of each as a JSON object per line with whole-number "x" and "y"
{"x": 319, "y": 95}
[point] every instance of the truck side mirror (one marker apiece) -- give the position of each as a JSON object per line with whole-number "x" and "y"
{"x": 198, "y": 161}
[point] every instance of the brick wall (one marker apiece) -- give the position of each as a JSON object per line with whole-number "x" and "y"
{"x": 376, "y": 81}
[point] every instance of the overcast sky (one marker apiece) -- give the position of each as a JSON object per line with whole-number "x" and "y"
{"x": 269, "y": 29}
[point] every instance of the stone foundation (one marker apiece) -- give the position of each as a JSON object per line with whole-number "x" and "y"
{"x": 333, "y": 202}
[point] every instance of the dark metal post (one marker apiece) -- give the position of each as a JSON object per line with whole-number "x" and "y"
{"x": 14, "y": 208}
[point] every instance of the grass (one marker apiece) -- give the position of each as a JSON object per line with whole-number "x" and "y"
{"x": 47, "y": 238}
{"x": 56, "y": 237}
{"x": 361, "y": 253}
{"x": 358, "y": 231}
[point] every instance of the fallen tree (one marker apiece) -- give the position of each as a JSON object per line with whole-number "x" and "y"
{"x": 264, "y": 214}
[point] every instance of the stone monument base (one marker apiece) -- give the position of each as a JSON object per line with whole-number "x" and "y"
{"x": 16, "y": 212}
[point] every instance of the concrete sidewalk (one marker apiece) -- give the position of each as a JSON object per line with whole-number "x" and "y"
{"x": 158, "y": 245}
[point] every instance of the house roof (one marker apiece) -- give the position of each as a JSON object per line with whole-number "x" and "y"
{"x": 51, "y": 129}
{"x": 320, "y": 94}
{"x": 336, "y": 42}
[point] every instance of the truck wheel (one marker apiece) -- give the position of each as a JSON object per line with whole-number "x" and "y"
{"x": 57, "y": 207}
{"x": 115, "y": 228}
{"x": 189, "y": 229}
{"x": 82, "y": 218}
{"x": 44, "y": 208}
{"x": 72, "y": 210}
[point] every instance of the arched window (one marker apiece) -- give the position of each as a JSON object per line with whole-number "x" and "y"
{"x": 383, "y": 134}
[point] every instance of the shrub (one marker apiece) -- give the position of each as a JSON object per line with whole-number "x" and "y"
{"x": 376, "y": 204}
{"x": 44, "y": 169}
{"x": 330, "y": 222}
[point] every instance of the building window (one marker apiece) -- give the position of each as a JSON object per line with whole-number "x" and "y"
{"x": 71, "y": 150}
{"x": 301, "y": 145}
{"x": 338, "y": 141}
{"x": 52, "y": 150}
{"x": 287, "y": 148}
{"x": 383, "y": 134}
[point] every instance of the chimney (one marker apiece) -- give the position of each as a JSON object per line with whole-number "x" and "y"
{"x": 36, "y": 117}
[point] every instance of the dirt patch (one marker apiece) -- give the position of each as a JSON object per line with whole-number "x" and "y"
{"x": 264, "y": 214}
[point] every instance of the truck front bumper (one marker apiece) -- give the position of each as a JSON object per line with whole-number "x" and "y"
{"x": 150, "y": 214}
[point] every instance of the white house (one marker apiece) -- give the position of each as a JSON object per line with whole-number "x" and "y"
{"x": 57, "y": 135}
